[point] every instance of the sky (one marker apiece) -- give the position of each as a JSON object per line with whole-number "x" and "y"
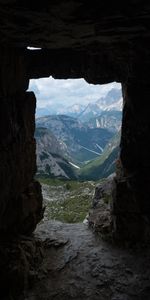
{"x": 50, "y": 92}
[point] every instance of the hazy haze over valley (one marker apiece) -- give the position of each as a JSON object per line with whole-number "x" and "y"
{"x": 54, "y": 95}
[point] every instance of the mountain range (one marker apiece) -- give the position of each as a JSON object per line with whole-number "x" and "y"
{"x": 83, "y": 144}
{"x": 104, "y": 165}
{"x": 110, "y": 120}
{"x": 50, "y": 158}
{"x": 78, "y": 142}
{"x": 112, "y": 101}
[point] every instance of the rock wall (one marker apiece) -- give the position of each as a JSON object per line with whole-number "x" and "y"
{"x": 131, "y": 206}
{"x": 101, "y": 42}
{"x": 20, "y": 196}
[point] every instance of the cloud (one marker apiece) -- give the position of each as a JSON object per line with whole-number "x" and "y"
{"x": 51, "y": 91}
{"x": 34, "y": 87}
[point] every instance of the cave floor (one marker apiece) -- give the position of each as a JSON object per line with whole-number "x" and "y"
{"x": 79, "y": 265}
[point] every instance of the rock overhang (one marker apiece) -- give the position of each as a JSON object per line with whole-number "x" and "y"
{"x": 110, "y": 38}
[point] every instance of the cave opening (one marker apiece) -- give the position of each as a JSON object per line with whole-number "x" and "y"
{"x": 102, "y": 43}
{"x": 77, "y": 136}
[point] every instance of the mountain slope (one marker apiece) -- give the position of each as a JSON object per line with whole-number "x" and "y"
{"x": 105, "y": 164}
{"x": 50, "y": 159}
{"x": 72, "y": 111}
{"x": 110, "y": 120}
{"x": 111, "y": 102}
{"x": 79, "y": 142}
{"x": 90, "y": 111}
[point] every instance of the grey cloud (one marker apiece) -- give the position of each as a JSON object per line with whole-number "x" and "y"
{"x": 67, "y": 92}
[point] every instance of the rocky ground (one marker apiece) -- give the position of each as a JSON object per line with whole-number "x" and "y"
{"x": 63, "y": 261}
{"x": 67, "y": 201}
{"x": 78, "y": 264}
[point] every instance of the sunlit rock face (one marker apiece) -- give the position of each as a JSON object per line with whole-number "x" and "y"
{"x": 101, "y": 42}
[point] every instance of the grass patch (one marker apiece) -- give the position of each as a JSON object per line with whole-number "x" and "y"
{"x": 72, "y": 210}
{"x": 69, "y": 184}
{"x": 69, "y": 201}
{"x": 77, "y": 185}
{"x": 51, "y": 181}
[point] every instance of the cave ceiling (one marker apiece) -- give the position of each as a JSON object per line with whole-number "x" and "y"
{"x": 114, "y": 35}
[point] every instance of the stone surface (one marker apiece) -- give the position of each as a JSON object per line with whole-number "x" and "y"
{"x": 100, "y": 214}
{"x": 17, "y": 160}
{"x": 101, "y": 42}
{"x": 20, "y": 196}
{"x": 79, "y": 265}
{"x": 131, "y": 206}
{"x": 31, "y": 210}
{"x": 13, "y": 72}
{"x": 19, "y": 260}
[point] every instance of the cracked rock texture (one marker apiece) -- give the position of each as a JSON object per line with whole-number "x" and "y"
{"x": 78, "y": 265}
{"x": 20, "y": 258}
